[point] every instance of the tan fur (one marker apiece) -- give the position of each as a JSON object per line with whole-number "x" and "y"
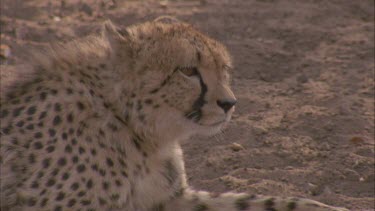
{"x": 97, "y": 124}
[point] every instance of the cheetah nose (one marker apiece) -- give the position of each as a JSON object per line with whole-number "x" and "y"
{"x": 226, "y": 104}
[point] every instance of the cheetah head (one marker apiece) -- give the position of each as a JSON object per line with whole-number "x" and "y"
{"x": 177, "y": 80}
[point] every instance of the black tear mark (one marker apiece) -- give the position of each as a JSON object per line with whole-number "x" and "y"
{"x": 196, "y": 112}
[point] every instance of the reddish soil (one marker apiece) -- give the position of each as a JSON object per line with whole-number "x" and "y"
{"x": 304, "y": 79}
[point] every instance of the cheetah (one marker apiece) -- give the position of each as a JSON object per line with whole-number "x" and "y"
{"x": 96, "y": 124}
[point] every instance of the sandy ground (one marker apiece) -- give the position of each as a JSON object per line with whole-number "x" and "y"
{"x": 304, "y": 79}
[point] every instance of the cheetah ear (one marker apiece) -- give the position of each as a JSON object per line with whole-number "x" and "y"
{"x": 115, "y": 38}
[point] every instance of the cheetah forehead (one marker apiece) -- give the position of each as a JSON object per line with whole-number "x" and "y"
{"x": 170, "y": 45}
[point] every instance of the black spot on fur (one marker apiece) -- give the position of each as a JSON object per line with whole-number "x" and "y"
{"x": 40, "y": 174}
{"x": 95, "y": 167}
{"x": 20, "y": 123}
{"x": 124, "y": 174}
{"x": 74, "y": 186}
{"x": 81, "y": 168}
{"x": 64, "y": 136}
{"x": 38, "y": 145}
{"x": 4, "y": 113}
{"x": 31, "y": 110}
{"x": 70, "y": 117}
{"x": 58, "y": 208}
{"x": 30, "y": 127}
{"x": 136, "y": 143}
{"x": 81, "y": 193}
{"x": 57, "y": 107}
{"x": 154, "y": 91}
{"x": 106, "y": 185}
{"x": 50, "y": 149}
{"x": 118, "y": 182}
{"x": 69, "y": 91}
{"x": 51, "y": 182}
{"x": 54, "y": 91}
{"x": 61, "y": 162}
{"x": 81, "y": 150}
{"x": 85, "y": 202}
{"x": 74, "y": 141}
{"x": 60, "y": 196}
{"x": 42, "y": 96}
{"x": 141, "y": 117}
{"x": 38, "y": 135}
{"x": 80, "y": 106}
{"x": 71, "y": 203}
{"x": 75, "y": 159}
{"x": 46, "y": 162}
{"x": 102, "y": 201}
{"x": 51, "y": 132}
{"x": 17, "y": 111}
{"x": 40, "y": 124}
{"x": 42, "y": 115}
{"x": 68, "y": 148}
{"x": 112, "y": 127}
{"x": 89, "y": 184}
{"x": 16, "y": 101}
{"x": 115, "y": 196}
{"x": 102, "y": 172}
{"x": 43, "y": 202}
{"x": 65, "y": 176}
{"x": 28, "y": 99}
{"x": 56, "y": 120}
{"x": 34, "y": 185}
{"x": 159, "y": 207}
{"x": 31, "y": 202}
{"x": 93, "y": 152}
{"x": 109, "y": 162}
{"x": 42, "y": 192}
{"x": 32, "y": 158}
{"x": 148, "y": 101}
{"x": 7, "y": 129}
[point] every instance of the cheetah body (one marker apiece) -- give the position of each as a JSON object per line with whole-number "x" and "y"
{"x": 97, "y": 124}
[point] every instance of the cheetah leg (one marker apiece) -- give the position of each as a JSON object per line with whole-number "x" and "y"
{"x": 192, "y": 200}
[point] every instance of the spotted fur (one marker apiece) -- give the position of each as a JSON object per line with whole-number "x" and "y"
{"x": 97, "y": 124}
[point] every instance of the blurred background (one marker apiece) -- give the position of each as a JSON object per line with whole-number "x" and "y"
{"x": 304, "y": 79}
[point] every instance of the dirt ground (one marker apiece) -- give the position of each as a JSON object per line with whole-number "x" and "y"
{"x": 304, "y": 79}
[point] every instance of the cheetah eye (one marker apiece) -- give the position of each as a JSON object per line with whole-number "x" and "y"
{"x": 189, "y": 71}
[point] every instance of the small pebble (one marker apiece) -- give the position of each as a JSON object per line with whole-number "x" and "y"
{"x": 357, "y": 140}
{"x": 258, "y": 130}
{"x": 236, "y": 147}
{"x": 4, "y": 51}
{"x": 56, "y": 18}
